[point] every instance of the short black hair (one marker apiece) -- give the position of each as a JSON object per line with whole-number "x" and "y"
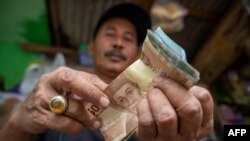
{"x": 138, "y": 16}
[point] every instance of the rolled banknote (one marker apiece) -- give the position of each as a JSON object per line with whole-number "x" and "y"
{"x": 160, "y": 56}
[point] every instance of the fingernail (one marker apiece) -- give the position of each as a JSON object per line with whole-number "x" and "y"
{"x": 96, "y": 124}
{"x": 104, "y": 102}
{"x": 156, "y": 80}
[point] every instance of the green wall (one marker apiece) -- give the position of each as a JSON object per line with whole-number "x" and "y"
{"x": 21, "y": 21}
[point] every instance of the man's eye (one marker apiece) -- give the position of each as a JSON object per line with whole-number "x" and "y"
{"x": 128, "y": 38}
{"x": 110, "y": 33}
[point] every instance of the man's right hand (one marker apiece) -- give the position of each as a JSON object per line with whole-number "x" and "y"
{"x": 34, "y": 115}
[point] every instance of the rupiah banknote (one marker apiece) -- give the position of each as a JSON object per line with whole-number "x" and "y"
{"x": 160, "y": 56}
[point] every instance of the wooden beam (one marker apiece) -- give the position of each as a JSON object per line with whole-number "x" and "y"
{"x": 219, "y": 51}
{"x": 49, "y": 49}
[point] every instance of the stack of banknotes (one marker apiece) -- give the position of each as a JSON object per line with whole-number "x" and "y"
{"x": 160, "y": 56}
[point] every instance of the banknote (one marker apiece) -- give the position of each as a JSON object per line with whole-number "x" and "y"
{"x": 160, "y": 56}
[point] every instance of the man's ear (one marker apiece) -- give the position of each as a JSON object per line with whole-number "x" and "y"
{"x": 91, "y": 48}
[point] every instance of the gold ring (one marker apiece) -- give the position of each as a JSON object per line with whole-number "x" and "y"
{"x": 58, "y": 104}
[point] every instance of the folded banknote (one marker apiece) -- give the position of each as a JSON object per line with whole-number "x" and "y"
{"x": 160, "y": 56}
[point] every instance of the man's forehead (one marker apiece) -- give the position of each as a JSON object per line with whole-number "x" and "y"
{"x": 122, "y": 23}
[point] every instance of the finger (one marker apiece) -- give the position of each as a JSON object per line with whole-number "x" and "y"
{"x": 41, "y": 117}
{"x": 75, "y": 108}
{"x": 146, "y": 128}
{"x": 94, "y": 79}
{"x": 42, "y": 93}
{"x": 187, "y": 107}
{"x": 63, "y": 123}
{"x": 77, "y": 111}
{"x": 207, "y": 107}
{"x": 71, "y": 80}
{"x": 163, "y": 113}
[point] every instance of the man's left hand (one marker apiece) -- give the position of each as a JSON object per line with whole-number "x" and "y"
{"x": 173, "y": 113}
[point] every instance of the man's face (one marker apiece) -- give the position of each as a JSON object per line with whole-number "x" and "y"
{"x": 115, "y": 45}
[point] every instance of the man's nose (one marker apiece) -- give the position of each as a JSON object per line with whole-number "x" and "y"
{"x": 118, "y": 43}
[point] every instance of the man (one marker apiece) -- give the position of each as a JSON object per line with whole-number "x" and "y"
{"x": 169, "y": 112}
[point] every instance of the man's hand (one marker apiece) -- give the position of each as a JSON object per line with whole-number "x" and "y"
{"x": 172, "y": 113}
{"x": 34, "y": 115}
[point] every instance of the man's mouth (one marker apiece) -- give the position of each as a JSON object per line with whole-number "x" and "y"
{"x": 115, "y": 56}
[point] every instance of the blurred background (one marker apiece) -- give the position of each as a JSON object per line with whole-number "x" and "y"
{"x": 38, "y": 36}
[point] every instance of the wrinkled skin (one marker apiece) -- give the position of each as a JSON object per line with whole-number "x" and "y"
{"x": 172, "y": 113}
{"x": 78, "y": 87}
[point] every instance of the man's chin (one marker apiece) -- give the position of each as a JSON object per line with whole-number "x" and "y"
{"x": 116, "y": 68}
